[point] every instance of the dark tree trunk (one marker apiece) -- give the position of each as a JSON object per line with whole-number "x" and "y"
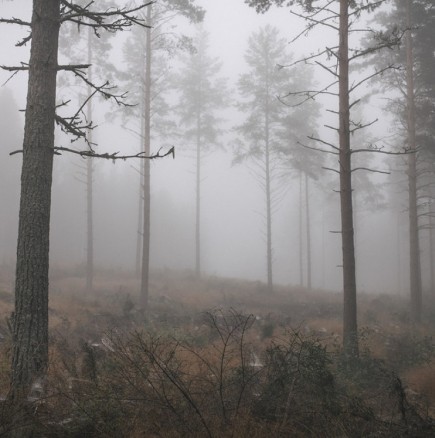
{"x": 30, "y": 321}
{"x": 414, "y": 247}
{"x": 147, "y": 180}
{"x": 350, "y": 339}
{"x": 431, "y": 250}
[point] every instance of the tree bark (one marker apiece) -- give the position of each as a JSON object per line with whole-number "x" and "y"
{"x": 350, "y": 335}
{"x": 431, "y": 250}
{"x": 30, "y": 320}
{"x": 414, "y": 247}
{"x": 144, "y": 292}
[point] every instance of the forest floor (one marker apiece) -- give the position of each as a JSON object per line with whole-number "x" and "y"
{"x": 222, "y": 357}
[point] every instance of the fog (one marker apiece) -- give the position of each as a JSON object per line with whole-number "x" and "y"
{"x": 233, "y": 213}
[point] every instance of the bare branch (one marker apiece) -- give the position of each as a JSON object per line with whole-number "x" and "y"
{"x": 108, "y": 156}
{"x": 73, "y": 67}
{"x": 15, "y": 21}
{"x": 367, "y": 78}
{"x": 122, "y": 18}
{"x": 362, "y": 125}
{"x": 23, "y": 67}
{"x": 371, "y": 170}
{"x": 332, "y": 170}
{"x": 380, "y": 150}
{"x": 323, "y": 142}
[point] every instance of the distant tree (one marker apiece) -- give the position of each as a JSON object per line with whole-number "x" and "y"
{"x": 300, "y": 160}
{"x": 147, "y": 54}
{"x": 99, "y": 69}
{"x": 413, "y": 103}
{"x": 30, "y": 319}
{"x": 265, "y": 115}
{"x": 202, "y": 94}
{"x": 10, "y": 126}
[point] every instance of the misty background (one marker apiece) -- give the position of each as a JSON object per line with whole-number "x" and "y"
{"x": 233, "y": 239}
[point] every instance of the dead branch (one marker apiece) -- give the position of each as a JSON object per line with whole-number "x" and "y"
{"x": 332, "y": 170}
{"x": 23, "y": 67}
{"x": 371, "y": 170}
{"x": 380, "y": 150}
{"x": 362, "y": 125}
{"x": 15, "y": 21}
{"x": 122, "y": 18}
{"x": 108, "y": 156}
{"x": 311, "y": 137}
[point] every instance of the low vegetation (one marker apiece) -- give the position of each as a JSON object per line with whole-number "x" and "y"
{"x": 220, "y": 358}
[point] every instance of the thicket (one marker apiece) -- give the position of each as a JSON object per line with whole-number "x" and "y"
{"x": 217, "y": 378}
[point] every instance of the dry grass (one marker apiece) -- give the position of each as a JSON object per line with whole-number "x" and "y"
{"x": 178, "y": 301}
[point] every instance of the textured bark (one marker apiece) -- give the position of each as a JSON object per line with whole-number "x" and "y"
{"x": 350, "y": 339}
{"x": 144, "y": 290}
{"x": 30, "y": 322}
{"x": 414, "y": 247}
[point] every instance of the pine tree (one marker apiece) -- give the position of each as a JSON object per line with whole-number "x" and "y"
{"x": 265, "y": 116}
{"x": 202, "y": 96}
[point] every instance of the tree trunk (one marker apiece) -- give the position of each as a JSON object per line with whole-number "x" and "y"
{"x": 414, "y": 247}
{"x": 301, "y": 246}
{"x": 268, "y": 205}
{"x": 141, "y": 193}
{"x": 30, "y": 320}
{"x": 198, "y": 196}
{"x": 431, "y": 250}
{"x": 89, "y": 186}
{"x": 147, "y": 180}
{"x": 350, "y": 335}
{"x": 307, "y": 207}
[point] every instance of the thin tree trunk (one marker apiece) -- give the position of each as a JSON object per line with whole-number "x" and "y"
{"x": 139, "y": 237}
{"x": 308, "y": 225}
{"x": 301, "y": 245}
{"x": 198, "y": 197}
{"x": 30, "y": 320}
{"x": 89, "y": 186}
{"x": 350, "y": 335}
{"x": 147, "y": 187}
{"x": 268, "y": 201}
{"x": 414, "y": 247}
